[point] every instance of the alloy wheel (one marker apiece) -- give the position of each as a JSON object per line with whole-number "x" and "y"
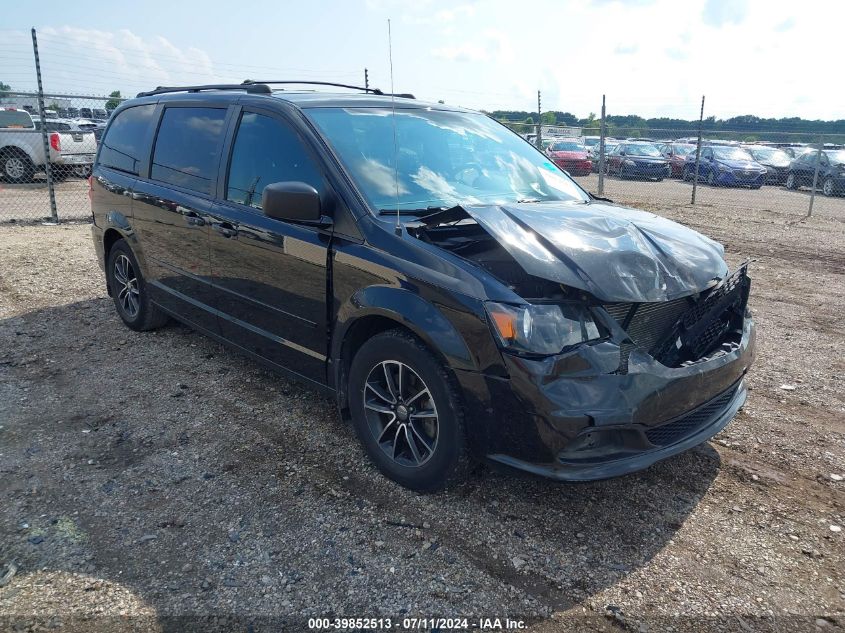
{"x": 790, "y": 181}
{"x": 827, "y": 187}
{"x": 14, "y": 167}
{"x": 127, "y": 282}
{"x": 401, "y": 413}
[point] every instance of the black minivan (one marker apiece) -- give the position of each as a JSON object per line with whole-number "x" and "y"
{"x": 459, "y": 295}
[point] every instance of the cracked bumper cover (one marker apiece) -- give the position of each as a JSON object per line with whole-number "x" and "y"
{"x": 571, "y": 417}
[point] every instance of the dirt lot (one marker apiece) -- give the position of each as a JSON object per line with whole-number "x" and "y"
{"x": 160, "y": 475}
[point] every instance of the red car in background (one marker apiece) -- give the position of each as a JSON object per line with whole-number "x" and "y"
{"x": 572, "y": 156}
{"x": 676, "y": 154}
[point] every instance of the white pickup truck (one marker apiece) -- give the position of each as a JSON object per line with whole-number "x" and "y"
{"x": 22, "y": 149}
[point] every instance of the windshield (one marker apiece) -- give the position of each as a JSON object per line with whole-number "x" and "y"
{"x": 641, "y": 150}
{"x": 683, "y": 150}
{"x": 591, "y": 142}
{"x": 769, "y": 154}
{"x": 442, "y": 159}
{"x": 731, "y": 153}
{"x": 836, "y": 157}
{"x": 568, "y": 146}
{"x": 15, "y": 119}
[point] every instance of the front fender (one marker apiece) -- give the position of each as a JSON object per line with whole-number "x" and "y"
{"x": 420, "y": 316}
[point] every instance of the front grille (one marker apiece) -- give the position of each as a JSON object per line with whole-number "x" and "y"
{"x": 686, "y": 329}
{"x": 688, "y": 424}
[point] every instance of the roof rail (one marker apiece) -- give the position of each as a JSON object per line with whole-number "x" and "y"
{"x": 374, "y": 91}
{"x": 252, "y": 87}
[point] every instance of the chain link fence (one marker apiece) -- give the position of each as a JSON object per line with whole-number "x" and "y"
{"x": 45, "y": 160}
{"x": 760, "y": 170}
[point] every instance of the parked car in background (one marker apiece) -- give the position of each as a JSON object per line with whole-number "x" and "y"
{"x": 775, "y": 160}
{"x": 85, "y": 113}
{"x": 721, "y": 165}
{"x": 499, "y": 313}
{"x": 570, "y": 155}
{"x": 72, "y": 113}
{"x": 794, "y": 151}
{"x": 831, "y": 171}
{"x": 676, "y": 154}
{"x": 609, "y": 144}
{"x": 22, "y": 147}
{"x": 642, "y": 161}
{"x": 99, "y": 114}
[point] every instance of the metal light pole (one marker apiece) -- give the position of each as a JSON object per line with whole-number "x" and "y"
{"x": 47, "y": 167}
{"x": 366, "y": 80}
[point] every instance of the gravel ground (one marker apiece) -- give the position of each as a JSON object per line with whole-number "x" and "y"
{"x": 157, "y": 475}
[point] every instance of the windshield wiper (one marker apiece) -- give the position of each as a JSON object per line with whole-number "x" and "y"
{"x": 413, "y": 212}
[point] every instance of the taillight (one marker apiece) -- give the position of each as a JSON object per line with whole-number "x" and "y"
{"x": 56, "y": 142}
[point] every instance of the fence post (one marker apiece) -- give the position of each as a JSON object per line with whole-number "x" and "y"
{"x": 697, "y": 151}
{"x": 815, "y": 176}
{"x": 602, "y": 133}
{"x": 47, "y": 166}
{"x": 539, "y": 123}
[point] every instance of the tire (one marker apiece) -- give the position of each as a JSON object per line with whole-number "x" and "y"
{"x": 15, "y": 166}
{"x": 139, "y": 314}
{"x": 828, "y": 187}
{"x": 791, "y": 181}
{"x": 439, "y": 457}
{"x": 756, "y": 186}
{"x": 686, "y": 175}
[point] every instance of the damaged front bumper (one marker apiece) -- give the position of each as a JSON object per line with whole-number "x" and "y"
{"x": 577, "y": 417}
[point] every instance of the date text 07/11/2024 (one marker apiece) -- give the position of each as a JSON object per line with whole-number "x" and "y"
{"x": 417, "y": 624}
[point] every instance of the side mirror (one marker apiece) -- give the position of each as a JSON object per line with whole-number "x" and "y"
{"x": 622, "y": 153}
{"x": 292, "y": 201}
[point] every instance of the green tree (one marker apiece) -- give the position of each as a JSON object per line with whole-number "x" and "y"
{"x": 549, "y": 118}
{"x": 4, "y": 88}
{"x": 112, "y": 103}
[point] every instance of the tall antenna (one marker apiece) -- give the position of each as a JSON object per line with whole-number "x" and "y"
{"x": 393, "y": 116}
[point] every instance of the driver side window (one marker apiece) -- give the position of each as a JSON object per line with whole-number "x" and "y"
{"x": 265, "y": 151}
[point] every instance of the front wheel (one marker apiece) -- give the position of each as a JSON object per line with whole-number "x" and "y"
{"x": 129, "y": 290}
{"x": 791, "y": 183}
{"x": 407, "y": 412}
{"x": 827, "y": 187}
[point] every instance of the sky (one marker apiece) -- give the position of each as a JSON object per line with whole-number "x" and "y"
{"x": 770, "y": 58}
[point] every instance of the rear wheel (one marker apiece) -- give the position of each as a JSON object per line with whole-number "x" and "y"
{"x": 129, "y": 291}
{"x": 407, "y": 412}
{"x": 16, "y": 166}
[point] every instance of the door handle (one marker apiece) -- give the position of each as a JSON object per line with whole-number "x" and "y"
{"x": 225, "y": 229}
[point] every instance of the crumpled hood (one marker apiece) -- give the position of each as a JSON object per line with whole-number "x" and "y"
{"x": 616, "y": 254}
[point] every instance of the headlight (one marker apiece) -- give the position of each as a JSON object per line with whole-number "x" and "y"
{"x": 541, "y": 329}
{"x": 628, "y": 162}
{"x": 723, "y": 168}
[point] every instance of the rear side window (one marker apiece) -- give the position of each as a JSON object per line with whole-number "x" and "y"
{"x": 187, "y": 147}
{"x": 267, "y": 151}
{"x": 123, "y": 146}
